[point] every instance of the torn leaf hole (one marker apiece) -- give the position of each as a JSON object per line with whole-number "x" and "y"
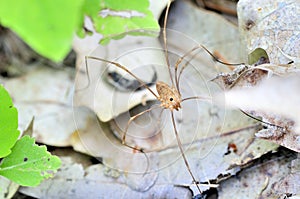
{"x": 249, "y": 24}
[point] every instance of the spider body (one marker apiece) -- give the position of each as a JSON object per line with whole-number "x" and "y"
{"x": 168, "y": 96}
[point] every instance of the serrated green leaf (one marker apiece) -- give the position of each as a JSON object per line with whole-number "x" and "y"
{"x": 47, "y": 26}
{"x": 8, "y": 123}
{"x": 29, "y": 164}
{"x": 119, "y": 18}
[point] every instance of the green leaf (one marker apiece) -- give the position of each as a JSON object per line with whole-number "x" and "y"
{"x": 48, "y": 26}
{"x": 256, "y": 55}
{"x": 118, "y": 18}
{"x": 8, "y": 123}
{"x": 29, "y": 164}
{"x": 89, "y": 8}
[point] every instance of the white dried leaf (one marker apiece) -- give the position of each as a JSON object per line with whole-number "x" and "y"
{"x": 271, "y": 25}
{"x": 272, "y": 179}
{"x": 206, "y": 28}
{"x": 7, "y": 188}
{"x": 74, "y": 181}
{"x": 274, "y": 96}
{"x": 46, "y": 94}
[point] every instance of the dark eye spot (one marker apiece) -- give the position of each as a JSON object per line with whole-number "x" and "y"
{"x": 25, "y": 159}
{"x": 171, "y": 99}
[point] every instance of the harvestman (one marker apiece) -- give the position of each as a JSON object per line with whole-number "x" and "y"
{"x": 169, "y": 96}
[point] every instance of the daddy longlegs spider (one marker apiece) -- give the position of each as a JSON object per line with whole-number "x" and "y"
{"x": 169, "y": 96}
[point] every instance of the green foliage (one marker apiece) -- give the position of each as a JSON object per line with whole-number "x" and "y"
{"x": 48, "y": 25}
{"x": 24, "y": 162}
{"x": 256, "y": 55}
{"x": 8, "y": 123}
{"x": 119, "y": 19}
{"x": 29, "y": 164}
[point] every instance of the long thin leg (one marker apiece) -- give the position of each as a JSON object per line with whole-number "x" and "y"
{"x": 178, "y": 62}
{"x": 88, "y": 76}
{"x": 197, "y": 98}
{"x": 125, "y": 69}
{"x": 165, "y": 41}
{"x": 126, "y": 129}
{"x": 182, "y": 153}
{"x": 190, "y": 51}
{"x": 131, "y": 120}
{"x": 218, "y": 60}
{"x": 181, "y": 71}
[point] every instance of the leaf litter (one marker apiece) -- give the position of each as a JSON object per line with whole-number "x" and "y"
{"x": 168, "y": 152}
{"x": 209, "y": 153}
{"x": 277, "y": 92}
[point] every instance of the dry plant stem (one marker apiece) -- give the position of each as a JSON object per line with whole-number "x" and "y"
{"x": 248, "y": 144}
{"x": 267, "y": 123}
{"x": 239, "y": 78}
{"x": 182, "y": 153}
{"x": 126, "y": 70}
